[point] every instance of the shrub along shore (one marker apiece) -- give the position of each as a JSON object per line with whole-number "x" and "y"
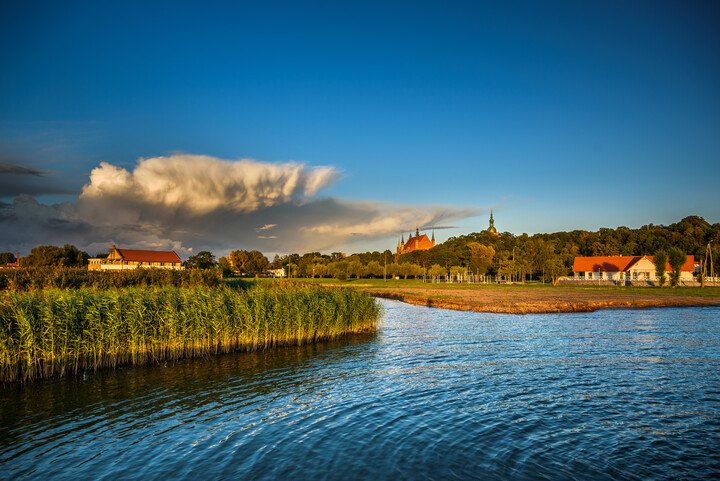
{"x": 51, "y": 332}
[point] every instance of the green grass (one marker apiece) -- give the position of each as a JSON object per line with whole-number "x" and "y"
{"x": 54, "y": 332}
{"x": 370, "y": 284}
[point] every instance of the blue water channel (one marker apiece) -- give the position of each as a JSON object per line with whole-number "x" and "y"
{"x": 435, "y": 394}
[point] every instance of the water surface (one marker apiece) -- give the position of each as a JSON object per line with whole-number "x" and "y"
{"x": 436, "y": 394}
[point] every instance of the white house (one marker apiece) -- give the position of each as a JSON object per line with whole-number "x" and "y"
{"x": 624, "y": 268}
{"x": 123, "y": 259}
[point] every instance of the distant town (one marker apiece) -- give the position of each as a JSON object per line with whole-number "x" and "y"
{"x": 622, "y": 255}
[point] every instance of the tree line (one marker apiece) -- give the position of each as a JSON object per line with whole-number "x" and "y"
{"x": 536, "y": 257}
{"x": 540, "y": 256}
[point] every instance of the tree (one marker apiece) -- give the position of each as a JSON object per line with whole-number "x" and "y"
{"x": 201, "y": 260}
{"x": 339, "y": 270}
{"x": 676, "y": 258}
{"x": 393, "y": 270}
{"x": 457, "y": 272}
{"x": 504, "y": 264}
{"x": 556, "y": 268}
{"x": 355, "y": 268}
{"x": 238, "y": 259}
{"x": 481, "y": 257}
{"x": 318, "y": 269}
{"x": 254, "y": 262}
{"x": 224, "y": 266}
{"x": 407, "y": 269}
{"x": 374, "y": 269}
{"x": 660, "y": 260}
{"x": 6, "y": 258}
{"x": 66, "y": 256}
{"x": 257, "y": 263}
{"x": 436, "y": 270}
{"x": 417, "y": 271}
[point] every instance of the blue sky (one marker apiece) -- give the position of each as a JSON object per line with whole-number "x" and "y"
{"x": 558, "y": 115}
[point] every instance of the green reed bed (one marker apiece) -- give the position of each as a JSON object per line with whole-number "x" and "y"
{"x": 55, "y": 332}
{"x": 31, "y": 278}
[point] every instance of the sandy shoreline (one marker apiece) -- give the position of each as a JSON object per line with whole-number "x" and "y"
{"x": 536, "y": 303}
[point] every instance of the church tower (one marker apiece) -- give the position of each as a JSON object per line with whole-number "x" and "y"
{"x": 492, "y": 229}
{"x": 419, "y": 242}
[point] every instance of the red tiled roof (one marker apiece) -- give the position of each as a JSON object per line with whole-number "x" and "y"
{"x": 417, "y": 243}
{"x": 148, "y": 256}
{"x": 620, "y": 263}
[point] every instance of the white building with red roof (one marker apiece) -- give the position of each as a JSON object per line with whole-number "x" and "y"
{"x": 121, "y": 259}
{"x": 625, "y": 268}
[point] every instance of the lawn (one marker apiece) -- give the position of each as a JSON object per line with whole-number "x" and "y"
{"x": 530, "y": 297}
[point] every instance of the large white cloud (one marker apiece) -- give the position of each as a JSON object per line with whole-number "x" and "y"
{"x": 191, "y": 202}
{"x": 200, "y": 184}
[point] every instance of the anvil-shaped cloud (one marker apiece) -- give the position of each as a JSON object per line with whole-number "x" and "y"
{"x": 195, "y": 202}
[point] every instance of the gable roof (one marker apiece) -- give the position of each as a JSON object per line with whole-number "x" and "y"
{"x": 148, "y": 256}
{"x": 604, "y": 263}
{"x": 419, "y": 242}
{"x": 621, "y": 263}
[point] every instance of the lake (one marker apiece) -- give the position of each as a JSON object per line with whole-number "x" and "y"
{"x": 435, "y": 394}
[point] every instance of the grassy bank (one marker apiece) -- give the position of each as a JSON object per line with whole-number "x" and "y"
{"x": 531, "y": 298}
{"x": 54, "y": 332}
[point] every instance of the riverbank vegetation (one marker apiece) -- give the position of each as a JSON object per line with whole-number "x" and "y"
{"x": 531, "y": 297}
{"x": 51, "y": 332}
{"x": 32, "y": 278}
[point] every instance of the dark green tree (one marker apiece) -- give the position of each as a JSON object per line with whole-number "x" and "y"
{"x": 201, "y": 260}
{"x": 676, "y": 258}
{"x": 66, "y": 256}
{"x": 225, "y": 267}
{"x": 660, "y": 260}
{"x": 6, "y": 258}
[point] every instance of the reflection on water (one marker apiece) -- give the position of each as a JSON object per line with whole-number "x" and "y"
{"x": 435, "y": 395}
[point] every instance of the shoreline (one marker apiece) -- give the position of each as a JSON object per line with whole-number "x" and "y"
{"x": 544, "y": 306}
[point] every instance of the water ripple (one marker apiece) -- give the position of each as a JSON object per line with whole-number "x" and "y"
{"x": 434, "y": 395}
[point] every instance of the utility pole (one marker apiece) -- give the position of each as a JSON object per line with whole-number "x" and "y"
{"x": 385, "y": 268}
{"x": 513, "y": 266}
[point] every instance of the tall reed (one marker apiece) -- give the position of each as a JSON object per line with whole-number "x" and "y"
{"x": 30, "y": 278}
{"x": 55, "y": 332}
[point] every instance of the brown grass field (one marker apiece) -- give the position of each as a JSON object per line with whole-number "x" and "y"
{"x": 531, "y": 298}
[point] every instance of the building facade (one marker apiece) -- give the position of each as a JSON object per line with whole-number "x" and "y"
{"x": 626, "y": 268}
{"x": 122, "y": 259}
{"x": 416, "y": 243}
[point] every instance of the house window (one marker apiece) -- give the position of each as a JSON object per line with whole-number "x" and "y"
{"x": 634, "y": 276}
{"x": 600, "y": 275}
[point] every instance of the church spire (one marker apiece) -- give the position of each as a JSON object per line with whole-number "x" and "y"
{"x": 433, "y": 237}
{"x": 417, "y": 231}
{"x": 492, "y": 229}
